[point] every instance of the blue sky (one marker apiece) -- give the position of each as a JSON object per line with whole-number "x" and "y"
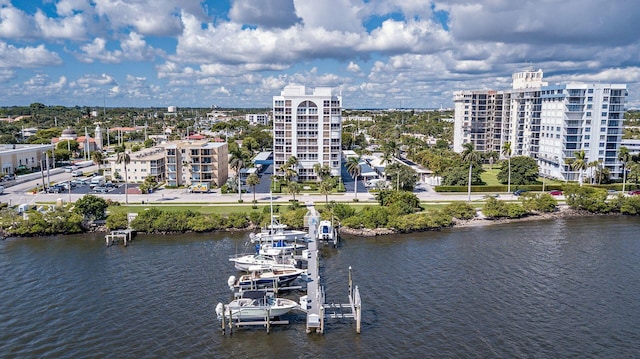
{"x": 239, "y": 53}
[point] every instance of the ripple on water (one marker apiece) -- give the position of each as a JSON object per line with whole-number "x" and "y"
{"x": 564, "y": 288}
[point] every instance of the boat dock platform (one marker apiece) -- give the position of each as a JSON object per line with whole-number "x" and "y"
{"x": 119, "y": 235}
{"x": 316, "y": 307}
{"x": 314, "y": 302}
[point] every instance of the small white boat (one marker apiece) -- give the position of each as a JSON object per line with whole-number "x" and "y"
{"x": 256, "y": 305}
{"x": 278, "y": 248}
{"x": 246, "y": 261}
{"x": 277, "y": 231}
{"x": 327, "y": 233}
{"x": 260, "y": 277}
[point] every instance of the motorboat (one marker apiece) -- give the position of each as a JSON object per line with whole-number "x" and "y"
{"x": 246, "y": 261}
{"x": 278, "y": 248}
{"x": 256, "y": 305}
{"x": 276, "y": 231}
{"x": 260, "y": 277}
{"x": 327, "y": 232}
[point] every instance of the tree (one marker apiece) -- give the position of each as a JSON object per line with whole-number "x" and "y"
{"x": 97, "y": 157}
{"x": 523, "y": 170}
{"x": 506, "y": 150}
{"x": 353, "y": 166}
{"x": 579, "y": 164}
{"x": 403, "y": 176}
{"x": 592, "y": 165}
{"x": 326, "y": 186}
{"x": 322, "y": 172}
{"x": 238, "y": 160}
{"x": 624, "y": 156}
{"x": 124, "y": 158}
{"x": 253, "y": 180}
{"x": 469, "y": 154}
{"x": 294, "y": 188}
{"x": 91, "y": 207}
{"x": 69, "y": 145}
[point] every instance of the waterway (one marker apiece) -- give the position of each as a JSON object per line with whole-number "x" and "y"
{"x": 549, "y": 289}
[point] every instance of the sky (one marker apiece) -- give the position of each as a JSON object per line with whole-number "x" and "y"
{"x": 241, "y": 53}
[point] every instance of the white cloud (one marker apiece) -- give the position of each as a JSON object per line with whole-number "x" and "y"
{"x": 71, "y": 27}
{"x": 26, "y": 57}
{"x": 15, "y": 23}
{"x": 148, "y": 17}
{"x": 267, "y": 13}
{"x": 133, "y": 48}
{"x": 353, "y": 67}
{"x": 324, "y": 14}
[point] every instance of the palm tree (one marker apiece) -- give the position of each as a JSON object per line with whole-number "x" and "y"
{"x": 317, "y": 167}
{"x": 294, "y": 188}
{"x": 592, "y": 165}
{"x": 253, "y": 180}
{"x": 506, "y": 151}
{"x": 353, "y": 166}
{"x": 579, "y": 164}
{"x": 469, "y": 154}
{"x": 326, "y": 186}
{"x": 97, "y": 157}
{"x": 624, "y": 156}
{"x": 124, "y": 158}
{"x": 237, "y": 163}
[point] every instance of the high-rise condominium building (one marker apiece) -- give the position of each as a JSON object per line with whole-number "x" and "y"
{"x": 307, "y": 124}
{"x": 547, "y": 122}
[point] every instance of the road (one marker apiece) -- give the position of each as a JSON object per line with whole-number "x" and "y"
{"x": 22, "y": 193}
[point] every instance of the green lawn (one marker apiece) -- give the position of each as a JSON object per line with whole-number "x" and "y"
{"x": 490, "y": 176}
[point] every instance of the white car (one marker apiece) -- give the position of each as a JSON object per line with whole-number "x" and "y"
{"x": 1, "y": 189}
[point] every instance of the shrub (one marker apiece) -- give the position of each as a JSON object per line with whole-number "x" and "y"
{"x": 459, "y": 210}
{"x": 117, "y": 220}
{"x": 587, "y": 198}
{"x": 540, "y": 202}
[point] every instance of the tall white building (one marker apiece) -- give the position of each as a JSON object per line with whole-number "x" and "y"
{"x": 307, "y": 124}
{"x": 580, "y": 116}
{"x": 547, "y": 122}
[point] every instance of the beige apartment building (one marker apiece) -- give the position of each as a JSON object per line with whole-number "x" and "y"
{"x": 178, "y": 163}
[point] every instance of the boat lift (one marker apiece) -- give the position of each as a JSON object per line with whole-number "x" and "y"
{"x": 313, "y": 303}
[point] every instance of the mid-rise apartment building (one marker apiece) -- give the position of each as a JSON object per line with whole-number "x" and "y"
{"x": 179, "y": 163}
{"x": 258, "y": 118}
{"x": 307, "y": 124}
{"x": 547, "y": 122}
{"x": 142, "y": 164}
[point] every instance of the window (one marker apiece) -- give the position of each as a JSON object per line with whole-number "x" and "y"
{"x": 588, "y": 114}
{"x": 590, "y": 98}
{"x": 604, "y": 114}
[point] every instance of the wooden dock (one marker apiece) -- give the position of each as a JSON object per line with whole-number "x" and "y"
{"x": 119, "y": 235}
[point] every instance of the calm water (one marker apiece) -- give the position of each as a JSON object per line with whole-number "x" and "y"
{"x": 564, "y": 288}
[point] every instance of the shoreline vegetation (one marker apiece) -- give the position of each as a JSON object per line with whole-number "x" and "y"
{"x": 396, "y": 212}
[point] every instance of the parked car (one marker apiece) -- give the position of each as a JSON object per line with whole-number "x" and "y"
{"x": 556, "y": 192}
{"x": 1, "y": 189}
{"x": 634, "y": 192}
{"x": 100, "y": 189}
{"x": 55, "y": 189}
{"x": 519, "y": 192}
